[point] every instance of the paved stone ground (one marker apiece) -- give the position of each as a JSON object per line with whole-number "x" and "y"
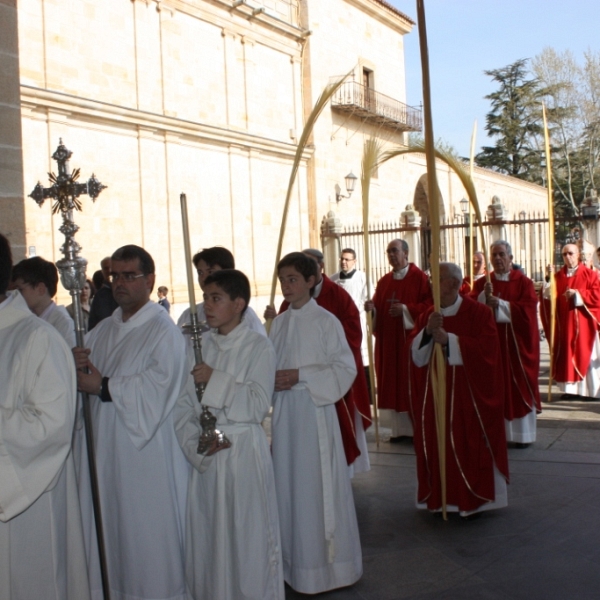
{"x": 545, "y": 545}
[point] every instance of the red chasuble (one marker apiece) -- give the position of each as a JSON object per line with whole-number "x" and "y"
{"x": 519, "y": 343}
{"x": 475, "y": 436}
{"x": 338, "y": 301}
{"x": 576, "y": 327}
{"x": 391, "y": 359}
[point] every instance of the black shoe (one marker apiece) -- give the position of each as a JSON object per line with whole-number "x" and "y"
{"x": 400, "y": 438}
{"x": 521, "y": 445}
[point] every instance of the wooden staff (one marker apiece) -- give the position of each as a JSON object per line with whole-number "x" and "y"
{"x": 320, "y": 104}
{"x": 438, "y": 367}
{"x": 550, "y": 252}
{"x": 371, "y": 153}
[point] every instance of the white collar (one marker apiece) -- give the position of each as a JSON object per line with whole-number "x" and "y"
{"x": 401, "y": 274}
{"x": 318, "y": 288}
{"x": 450, "y": 311}
{"x": 502, "y": 276}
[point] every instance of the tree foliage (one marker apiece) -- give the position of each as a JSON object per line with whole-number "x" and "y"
{"x": 513, "y": 121}
{"x": 571, "y": 94}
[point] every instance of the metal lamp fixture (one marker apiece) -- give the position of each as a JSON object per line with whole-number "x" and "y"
{"x": 590, "y": 206}
{"x": 464, "y": 206}
{"x": 350, "y": 180}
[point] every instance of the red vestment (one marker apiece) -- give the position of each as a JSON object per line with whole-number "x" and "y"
{"x": 576, "y": 326}
{"x": 338, "y": 301}
{"x": 475, "y": 436}
{"x": 391, "y": 360}
{"x": 519, "y": 343}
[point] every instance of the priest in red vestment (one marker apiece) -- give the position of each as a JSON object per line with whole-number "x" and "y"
{"x": 478, "y": 273}
{"x": 476, "y": 455}
{"x": 400, "y": 297}
{"x": 354, "y": 410}
{"x": 576, "y": 352}
{"x": 512, "y": 298}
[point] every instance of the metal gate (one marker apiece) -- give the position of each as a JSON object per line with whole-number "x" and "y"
{"x": 526, "y": 233}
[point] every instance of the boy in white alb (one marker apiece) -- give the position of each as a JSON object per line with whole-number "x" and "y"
{"x": 315, "y": 368}
{"x": 233, "y": 547}
{"x": 37, "y": 280}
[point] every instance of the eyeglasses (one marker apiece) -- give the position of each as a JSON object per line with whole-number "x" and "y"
{"x": 126, "y": 277}
{"x": 347, "y": 259}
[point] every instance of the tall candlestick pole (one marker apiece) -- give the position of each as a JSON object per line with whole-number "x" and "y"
{"x": 211, "y": 439}
{"x": 188, "y": 253}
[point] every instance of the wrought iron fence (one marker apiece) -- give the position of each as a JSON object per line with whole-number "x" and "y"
{"x": 527, "y": 235}
{"x": 365, "y": 102}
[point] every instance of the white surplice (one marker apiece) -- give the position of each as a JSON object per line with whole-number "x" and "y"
{"x": 41, "y": 540}
{"x": 233, "y": 548}
{"x": 61, "y": 320}
{"x": 141, "y": 470}
{"x": 319, "y": 531}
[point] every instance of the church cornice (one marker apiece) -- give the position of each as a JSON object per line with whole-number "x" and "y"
{"x": 38, "y": 100}
{"x": 386, "y": 14}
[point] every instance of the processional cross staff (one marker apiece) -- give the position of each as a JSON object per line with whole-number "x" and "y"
{"x": 65, "y": 192}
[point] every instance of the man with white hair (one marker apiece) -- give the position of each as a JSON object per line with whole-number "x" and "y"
{"x": 512, "y": 298}
{"x": 475, "y": 450}
{"x": 576, "y": 351}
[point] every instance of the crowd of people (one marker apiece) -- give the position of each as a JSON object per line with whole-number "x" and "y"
{"x": 236, "y": 521}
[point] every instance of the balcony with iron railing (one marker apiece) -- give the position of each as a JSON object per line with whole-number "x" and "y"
{"x": 366, "y": 103}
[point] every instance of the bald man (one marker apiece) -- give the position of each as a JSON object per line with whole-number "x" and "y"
{"x": 576, "y": 351}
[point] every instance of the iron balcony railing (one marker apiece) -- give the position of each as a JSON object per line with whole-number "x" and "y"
{"x": 366, "y": 103}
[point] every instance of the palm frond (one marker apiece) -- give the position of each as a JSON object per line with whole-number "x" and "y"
{"x": 320, "y": 104}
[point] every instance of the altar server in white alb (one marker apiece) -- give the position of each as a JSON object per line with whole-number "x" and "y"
{"x": 37, "y": 280}
{"x": 207, "y": 262}
{"x": 315, "y": 368}
{"x": 233, "y": 548}
{"x": 138, "y": 368}
{"x": 41, "y": 539}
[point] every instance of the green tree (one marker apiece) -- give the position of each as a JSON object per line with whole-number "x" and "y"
{"x": 514, "y": 122}
{"x": 571, "y": 93}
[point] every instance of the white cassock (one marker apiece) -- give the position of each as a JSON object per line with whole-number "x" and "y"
{"x": 61, "y": 320}
{"x": 319, "y": 531}
{"x": 141, "y": 470}
{"x": 42, "y": 553}
{"x": 233, "y": 548}
{"x": 250, "y": 318}
{"x": 521, "y": 430}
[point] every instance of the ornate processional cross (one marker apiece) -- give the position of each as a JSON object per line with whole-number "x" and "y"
{"x": 65, "y": 192}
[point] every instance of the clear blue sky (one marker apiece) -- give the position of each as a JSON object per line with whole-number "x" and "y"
{"x": 467, "y": 37}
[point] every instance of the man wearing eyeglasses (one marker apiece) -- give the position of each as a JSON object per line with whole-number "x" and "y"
{"x": 576, "y": 350}
{"x": 511, "y": 296}
{"x": 137, "y": 366}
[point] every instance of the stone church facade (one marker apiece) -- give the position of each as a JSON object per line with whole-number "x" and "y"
{"x": 208, "y": 97}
